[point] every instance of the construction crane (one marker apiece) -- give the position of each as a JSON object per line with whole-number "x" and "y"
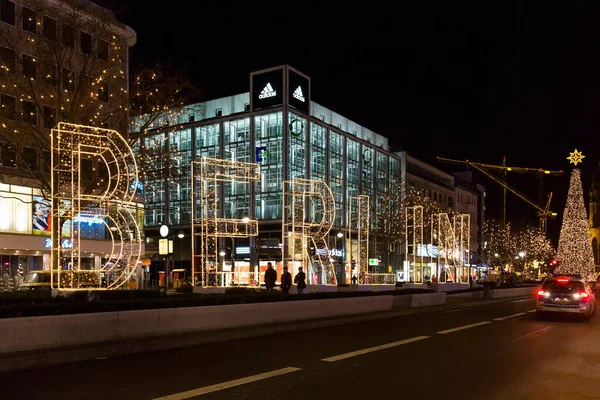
{"x": 542, "y": 213}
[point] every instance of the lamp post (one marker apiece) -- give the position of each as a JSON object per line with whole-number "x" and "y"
{"x": 181, "y": 235}
{"x": 164, "y": 232}
{"x": 340, "y": 235}
{"x": 222, "y": 254}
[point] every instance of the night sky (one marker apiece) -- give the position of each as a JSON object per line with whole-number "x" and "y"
{"x": 462, "y": 81}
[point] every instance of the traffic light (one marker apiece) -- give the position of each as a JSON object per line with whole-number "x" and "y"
{"x": 554, "y": 262}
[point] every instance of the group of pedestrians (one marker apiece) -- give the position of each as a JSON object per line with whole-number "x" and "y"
{"x": 286, "y": 279}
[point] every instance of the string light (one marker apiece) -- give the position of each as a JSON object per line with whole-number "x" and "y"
{"x": 301, "y": 198}
{"x": 206, "y": 178}
{"x": 575, "y": 255}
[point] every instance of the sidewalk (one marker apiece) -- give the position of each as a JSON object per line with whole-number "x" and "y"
{"x": 55, "y": 356}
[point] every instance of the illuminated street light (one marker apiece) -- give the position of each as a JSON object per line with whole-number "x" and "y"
{"x": 245, "y": 220}
{"x": 180, "y": 235}
{"x": 521, "y": 254}
{"x": 222, "y": 253}
{"x": 340, "y": 234}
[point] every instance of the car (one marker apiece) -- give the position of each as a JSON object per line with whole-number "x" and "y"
{"x": 566, "y": 294}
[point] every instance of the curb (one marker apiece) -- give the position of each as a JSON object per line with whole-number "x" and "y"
{"x": 38, "y": 359}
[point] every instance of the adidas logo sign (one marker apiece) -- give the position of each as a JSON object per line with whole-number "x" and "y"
{"x": 267, "y": 92}
{"x": 298, "y": 94}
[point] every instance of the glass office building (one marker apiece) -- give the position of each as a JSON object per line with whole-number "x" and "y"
{"x": 277, "y": 125}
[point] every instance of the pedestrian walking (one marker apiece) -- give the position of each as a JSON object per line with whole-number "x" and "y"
{"x": 286, "y": 280}
{"x": 300, "y": 280}
{"x": 270, "y": 277}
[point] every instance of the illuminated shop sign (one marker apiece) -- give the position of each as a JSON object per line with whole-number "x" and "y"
{"x": 267, "y": 89}
{"x": 298, "y": 92}
{"x": 66, "y": 244}
{"x": 88, "y": 220}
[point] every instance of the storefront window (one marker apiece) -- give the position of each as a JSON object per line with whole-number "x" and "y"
{"x": 180, "y": 143}
{"x": 352, "y": 169}
{"x": 237, "y": 148}
{"x": 207, "y": 141}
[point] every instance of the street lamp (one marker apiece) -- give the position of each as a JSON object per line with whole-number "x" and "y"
{"x": 340, "y": 234}
{"x": 181, "y": 235}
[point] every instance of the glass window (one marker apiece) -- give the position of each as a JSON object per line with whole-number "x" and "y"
{"x": 7, "y": 12}
{"x": 47, "y": 160}
{"x": 104, "y": 92}
{"x": 49, "y": 73}
{"x": 237, "y": 140}
{"x": 15, "y": 211}
{"x": 86, "y": 43}
{"x": 179, "y": 176}
{"x": 154, "y": 161}
{"x": 318, "y": 164}
{"x": 68, "y": 80}
{"x": 8, "y": 156}
{"x": 207, "y": 141}
{"x": 352, "y": 170}
{"x": 102, "y": 50}
{"x": 29, "y": 67}
{"x": 29, "y": 20}
{"x": 297, "y": 130}
{"x": 50, "y": 30}
{"x": 268, "y": 131}
{"x": 29, "y": 113}
{"x": 68, "y": 36}
{"x": 30, "y": 157}
{"x": 8, "y": 60}
{"x": 49, "y": 117}
{"x": 337, "y": 174}
{"x": 8, "y": 107}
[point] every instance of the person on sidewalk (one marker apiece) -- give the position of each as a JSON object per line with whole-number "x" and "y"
{"x": 270, "y": 277}
{"x": 286, "y": 280}
{"x": 300, "y": 280}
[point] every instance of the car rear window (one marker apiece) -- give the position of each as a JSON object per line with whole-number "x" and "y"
{"x": 563, "y": 287}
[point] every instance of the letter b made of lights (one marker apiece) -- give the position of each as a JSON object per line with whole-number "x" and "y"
{"x": 209, "y": 176}
{"x": 107, "y": 197}
{"x": 308, "y": 215}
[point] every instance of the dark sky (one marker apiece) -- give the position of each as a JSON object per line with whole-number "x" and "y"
{"x": 463, "y": 80}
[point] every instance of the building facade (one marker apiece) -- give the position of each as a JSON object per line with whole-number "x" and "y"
{"x": 469, "y": 198}
{"x": 594, "y": 217}
{"x": 277, "y": 125}
{"x": 64, "y": 60}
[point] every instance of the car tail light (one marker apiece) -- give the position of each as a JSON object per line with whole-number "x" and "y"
{"x": 541, "y": 293}
{"x": 562, "y": 280}
{"x": 582, "y": 297}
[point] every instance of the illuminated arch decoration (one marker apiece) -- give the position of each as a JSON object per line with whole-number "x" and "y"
{"x": 414, "y": 244}
{"x": 359, "y": 220}
{"x": 452, "y": 240}
{"x": 208, "y": 177}
{"x": 111, "y": 202}
{"x": 308, "y": 215}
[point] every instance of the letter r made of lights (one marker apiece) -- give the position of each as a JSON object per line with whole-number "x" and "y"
{"x": 308, "y": 215}
{"x": 209, "y": 177}
{"x": 106, "y": 197}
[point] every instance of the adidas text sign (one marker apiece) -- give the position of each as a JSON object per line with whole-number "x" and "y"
{"x": 298, "y": 94}
{"x": 267, "y": 92}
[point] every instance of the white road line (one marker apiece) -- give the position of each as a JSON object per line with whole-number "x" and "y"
{"x": 455, "y": 310}
{"x": 228, "y": 384}
{"x": 509, "y": 316}
{"x": 460, "y": 328}
{"x": 372, "y": 349}
{"x": 533, "y": 333}
{"x": 531, "y": 311}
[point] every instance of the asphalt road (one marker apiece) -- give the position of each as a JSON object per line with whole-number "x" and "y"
{"x": 496, "y": 351}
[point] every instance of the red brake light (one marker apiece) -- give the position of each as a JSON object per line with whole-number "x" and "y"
{"x": 562, "y": 280}
{"x": 540, "y": 293}
{"x": 583, "y": 294}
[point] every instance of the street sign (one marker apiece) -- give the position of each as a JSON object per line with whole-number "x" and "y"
{"x": 163, "y": 247}
{"x": 373, "y": 261}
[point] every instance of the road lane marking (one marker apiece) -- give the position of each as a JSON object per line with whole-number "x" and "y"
{"x": 509, "y": 316}
{"x": 376, "y": 348}
{"x": 533, "y": 333}
{"x": 531, "y": 311}
{"x": 228, "y": 384}
{"x": 460, "y": 328}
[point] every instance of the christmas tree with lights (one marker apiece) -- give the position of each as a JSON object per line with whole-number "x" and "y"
{"x": 575, "y": 255}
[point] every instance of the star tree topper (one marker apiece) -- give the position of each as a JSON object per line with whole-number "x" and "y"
{"x": 575, "y": 157}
